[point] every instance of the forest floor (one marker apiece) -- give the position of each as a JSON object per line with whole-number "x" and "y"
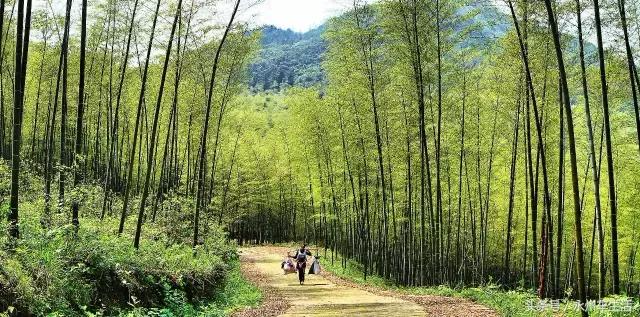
{"x": 329, "y": 295}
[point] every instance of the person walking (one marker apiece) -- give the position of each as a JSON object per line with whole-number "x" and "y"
{"x": 301, "y": 261}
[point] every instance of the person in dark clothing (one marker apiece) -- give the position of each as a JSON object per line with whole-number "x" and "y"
{"x": 301, "y": 261}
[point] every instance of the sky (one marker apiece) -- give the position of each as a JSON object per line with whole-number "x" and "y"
{"x": 297, "y": 15}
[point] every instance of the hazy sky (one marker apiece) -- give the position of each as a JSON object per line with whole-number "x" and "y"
{"x": 298, "y": 15}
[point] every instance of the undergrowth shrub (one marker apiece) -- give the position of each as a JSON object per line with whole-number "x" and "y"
{"x": 56, "y": 271}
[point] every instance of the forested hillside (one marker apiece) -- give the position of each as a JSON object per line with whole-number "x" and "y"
{"x": 288, "y": 59}
{"x": 427, "y": 143}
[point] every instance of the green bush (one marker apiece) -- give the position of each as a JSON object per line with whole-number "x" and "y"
{"x": 96, "y": 271}
{"x": 57, "y": 270}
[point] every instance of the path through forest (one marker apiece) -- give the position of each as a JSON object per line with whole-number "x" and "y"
{"x": 329, "y": 296}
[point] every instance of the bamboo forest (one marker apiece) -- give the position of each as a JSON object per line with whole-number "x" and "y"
{"x": 431, "y": 157}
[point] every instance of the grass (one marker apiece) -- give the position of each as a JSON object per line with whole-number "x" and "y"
{"x": 236, "y": 294}
{"x": 512, "y": 303}
{"x": 96, "y": 272}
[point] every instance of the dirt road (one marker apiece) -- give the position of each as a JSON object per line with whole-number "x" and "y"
{"x": 328, "y": 295}
{"x": 318, "y": 296}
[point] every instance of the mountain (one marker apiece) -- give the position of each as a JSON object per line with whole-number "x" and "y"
{"x": 288, "y": 58}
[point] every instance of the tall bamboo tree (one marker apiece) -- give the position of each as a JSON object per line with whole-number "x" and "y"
{"x": 80, "y": 114}
{"x": 613, "y": 205}
{"x": 566, "y": 103}
{"x": 21, "y": 57}
{"x": 154, "y": 130}
{"x": 203, "y": 141}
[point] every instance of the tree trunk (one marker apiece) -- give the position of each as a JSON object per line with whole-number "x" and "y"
{"x": 592, "y": 155}
{"x": 150, "y": 158}
{"x": 512, "y": 180}
{"x": 541, "y": 148}
{"x": 610, "y": 167}
{"x": 64, "y": 160}
{"x": 203, "y": 140}
{"x": 572, "y": 157}
{"x": 81, "y": 99}
{"x": 632, "y": 79}
{"x": 21, "y": 57}
{"x": 141, "y": 98}
{"x": 113, "y": 128}
{"x": 438, "y": 237}
{"x": 2, "y": 47}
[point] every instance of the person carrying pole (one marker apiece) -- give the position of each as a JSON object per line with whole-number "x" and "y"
{"x": 301, "y": 261}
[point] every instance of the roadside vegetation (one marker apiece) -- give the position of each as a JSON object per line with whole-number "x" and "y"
{"x": 95, "y": 272}
{"x": 517, "y": 302}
